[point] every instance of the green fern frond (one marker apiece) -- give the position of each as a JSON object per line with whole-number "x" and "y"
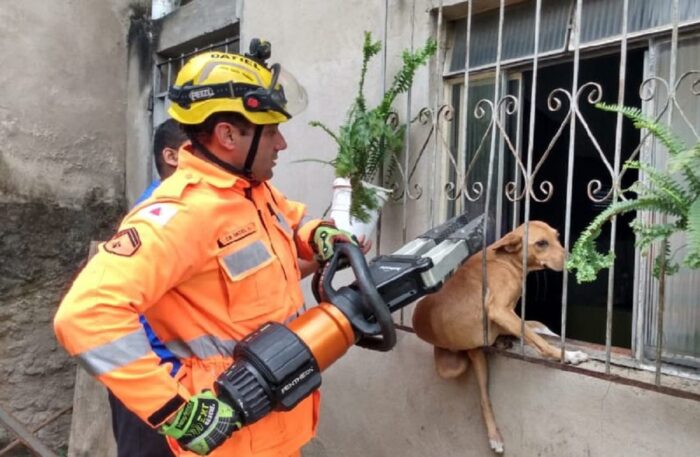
{"x": 366, "y": 140}
{"x": 323, "y": 127}
{"x": 641, "y": 121}
{"x": 661, "y": 183}
{"x": 661, "y": 192}
{"x": 693, "y": 257}
{"x": 585, "y": 258}
{"x": 369, "y": 50}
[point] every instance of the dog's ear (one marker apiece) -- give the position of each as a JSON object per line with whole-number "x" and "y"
{"x": 511, "y": 242}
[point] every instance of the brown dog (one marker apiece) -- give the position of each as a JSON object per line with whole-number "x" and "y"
{"x": 451, "y": 319}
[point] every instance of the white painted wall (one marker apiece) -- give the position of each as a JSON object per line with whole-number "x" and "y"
{"x": 394, "y": 404}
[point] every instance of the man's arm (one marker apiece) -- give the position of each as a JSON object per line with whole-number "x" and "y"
{"x": 98, "y": 320}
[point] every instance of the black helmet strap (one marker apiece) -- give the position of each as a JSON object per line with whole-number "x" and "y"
{"x": 253, "y": 150}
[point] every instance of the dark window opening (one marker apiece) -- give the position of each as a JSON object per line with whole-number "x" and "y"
{"x": 587, "y": 303}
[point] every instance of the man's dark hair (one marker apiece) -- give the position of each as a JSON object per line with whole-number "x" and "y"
{"x": 167, "y": 135}
{"x": 201, "y": 133}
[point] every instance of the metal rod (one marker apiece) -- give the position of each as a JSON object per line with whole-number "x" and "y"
{"x": 662, "y": 270}
{"x": 24, "y": 435}
{"x": 616, "y": 183}
{"x": 438, "y": 100}
{"x": 407, "y": 150}
{"x": 463, "y": 137}
{"x": 494, "y": 112}
{"x": 46, "y": 422}
{"x": 576, "y": 33}
{"x": 378, "y": 236}
{"x": 528, "y": 179}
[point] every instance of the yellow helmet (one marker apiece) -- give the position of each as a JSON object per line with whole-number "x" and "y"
{"x": 216, "y": 82}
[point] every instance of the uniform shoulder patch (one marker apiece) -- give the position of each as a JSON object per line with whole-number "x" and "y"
{"x": 125, "y": 243}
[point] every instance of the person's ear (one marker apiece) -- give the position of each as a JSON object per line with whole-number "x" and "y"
{"x": 170, "y": 156}
{"x": 226, "y": 135}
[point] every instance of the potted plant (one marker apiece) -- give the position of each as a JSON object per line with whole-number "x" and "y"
{"x": 366, "y": 141}
{"x": 673, "y": 192}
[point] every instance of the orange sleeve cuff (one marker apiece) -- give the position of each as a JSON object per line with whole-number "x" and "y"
{"x": 303, "y": 239}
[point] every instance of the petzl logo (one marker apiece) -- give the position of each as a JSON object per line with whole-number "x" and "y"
{"x": 199, "y": 94}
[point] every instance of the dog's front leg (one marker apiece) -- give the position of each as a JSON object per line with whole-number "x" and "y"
{"x": 510, "y": 322}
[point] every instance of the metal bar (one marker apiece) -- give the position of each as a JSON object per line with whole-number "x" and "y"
{"x": 24, "y": 435}
{"x": 385, "y": 31}
{"x": 599, "y": 375}
{"x": 576, "y": 32}
{"x": 438, "y": 100}
{"x": 462, "y": 148}
{"x": 616, "y": 183}
{"x": 519, "y": 139}
{"x": 617, "y": 379}
{"x": 407, "y": 151}
{"x": 46, "y": 422}
{"x": 528, "y": 179}
{"x": 487, "y": 203}
{"x": 662, "y": 273}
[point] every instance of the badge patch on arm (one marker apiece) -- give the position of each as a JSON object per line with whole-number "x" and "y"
{"x": 124, "y": 243}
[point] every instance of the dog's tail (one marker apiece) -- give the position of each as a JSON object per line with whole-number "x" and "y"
{"x": 540, "y": 328}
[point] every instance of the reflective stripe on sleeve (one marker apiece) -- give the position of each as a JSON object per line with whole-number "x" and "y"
{"x": 203, "y": 347}
{"x": 245, "y": 259}
{"x": 115, "y": 354}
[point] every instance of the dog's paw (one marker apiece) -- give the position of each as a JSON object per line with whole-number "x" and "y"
{"x": 497, "y": 446}
{"x": 575, "y": 357}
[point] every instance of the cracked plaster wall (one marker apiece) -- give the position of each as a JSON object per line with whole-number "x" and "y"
{"x": 62, "y": 142}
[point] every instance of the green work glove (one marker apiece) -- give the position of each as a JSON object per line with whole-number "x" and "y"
{"x": 203, "y": 423}
{"x": 324, "y": 238}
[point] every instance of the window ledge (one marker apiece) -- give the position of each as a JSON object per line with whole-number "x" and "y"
{"x": 623, "y": 368}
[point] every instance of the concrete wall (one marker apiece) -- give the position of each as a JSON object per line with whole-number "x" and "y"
{"x": 394, "y": 404}
{"x": 62, "y": 141}
{"x": 386, "y": 405}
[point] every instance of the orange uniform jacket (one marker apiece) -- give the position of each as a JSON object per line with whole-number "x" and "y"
{"x": 206, "y": 260}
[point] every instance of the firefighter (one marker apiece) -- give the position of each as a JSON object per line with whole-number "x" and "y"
{"x": 207, "y": 260}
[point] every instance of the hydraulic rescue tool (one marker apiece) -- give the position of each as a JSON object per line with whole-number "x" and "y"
{"x": 279, "y": 365}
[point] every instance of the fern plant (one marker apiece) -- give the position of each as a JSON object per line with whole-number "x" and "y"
{"x": 366, "y": 140}
{"x": 673, "y": 192}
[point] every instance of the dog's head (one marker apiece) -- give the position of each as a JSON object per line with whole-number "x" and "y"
{"x": 544, "y": 249}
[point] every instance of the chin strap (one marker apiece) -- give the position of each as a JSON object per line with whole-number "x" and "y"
{"x": 247, "y": 170}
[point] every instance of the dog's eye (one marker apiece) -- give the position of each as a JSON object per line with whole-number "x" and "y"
{"x": 541, "y": 244}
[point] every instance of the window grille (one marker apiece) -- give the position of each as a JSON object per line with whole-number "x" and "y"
{"x": 526, "y": 101}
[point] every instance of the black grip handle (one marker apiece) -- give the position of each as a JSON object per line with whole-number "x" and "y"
{"x": 323, "y": 291}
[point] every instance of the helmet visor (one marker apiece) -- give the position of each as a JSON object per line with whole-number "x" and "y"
{"x": 285, "y": 93}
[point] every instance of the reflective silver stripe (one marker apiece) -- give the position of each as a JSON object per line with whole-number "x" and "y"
{"x": 116, "y": 354}
{"x": 283, "y": 222}
{"x": 203, "y": 347}
{"x": 245, "y": 259}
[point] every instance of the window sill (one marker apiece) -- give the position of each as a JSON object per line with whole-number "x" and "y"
{"x": 624, "y": 369}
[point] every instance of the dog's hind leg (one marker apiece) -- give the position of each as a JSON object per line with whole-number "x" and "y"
{"x": 481, "y": 369}
{"x": 449, "y": 364}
